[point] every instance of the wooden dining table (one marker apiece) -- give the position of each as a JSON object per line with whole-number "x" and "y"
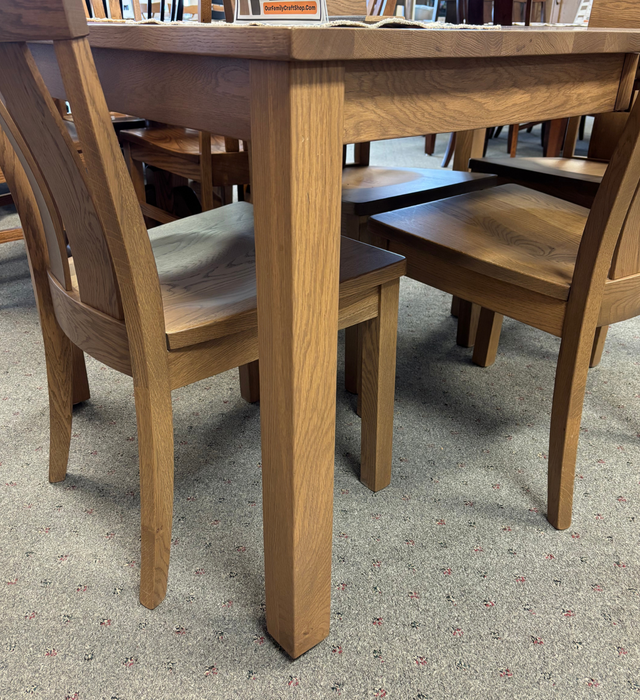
{"x": 298, "y": 95}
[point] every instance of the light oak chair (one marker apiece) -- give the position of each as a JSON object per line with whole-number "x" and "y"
{"x": 548, "y": 263}
{"x": 168, "y": 308}
{"x": 571, "y": 178}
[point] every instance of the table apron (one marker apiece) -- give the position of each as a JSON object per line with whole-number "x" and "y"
{"x": 392, "y": 99}
{"x": 200, "y": 92}
{"x": 382, "y": 99}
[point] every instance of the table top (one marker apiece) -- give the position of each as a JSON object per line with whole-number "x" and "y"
{"x": 279, "y": 43}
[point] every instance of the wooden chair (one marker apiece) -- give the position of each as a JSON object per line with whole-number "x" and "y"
{"x": 555, "y": 266}
{"x": 179, "y": 151}
{"x": 573, "y": 179}
{"x": 167, "y": 310}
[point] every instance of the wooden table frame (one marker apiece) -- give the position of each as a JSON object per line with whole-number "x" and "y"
{"x": 298, "y": 95}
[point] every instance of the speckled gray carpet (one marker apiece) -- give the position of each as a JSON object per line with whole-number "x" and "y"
{"x": 450, "y": 583}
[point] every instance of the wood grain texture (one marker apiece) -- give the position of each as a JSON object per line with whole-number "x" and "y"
{"x": 585, "y": 258}
{"x": 119, "y": 215}
{"x": 486, "y": 232}
{"x": 99, "y": 335}
{"x": 487, "y": 339}
{"x": 468, "y": 316}
{"x": 22, "y": 20}
{"x": 345, "y": 44}
{"x": 132, "y": 82}
{"x": 605, "y": 134}
{"x": 468, "y": 144}
{"x": 177, "y": 150}
{"x": 296, "y": 117}
{"x": 458, "y": 94}
{"x": 598, "y": 346}
{"x": 572, "y": 179}
{"x": 65, "y": 175}
{"x": 371, "y": 190}
{"x": 59, "y": 352}
{"x": 377, "y": 390}
{"x": 11, "y": 234}
{"x": 627, "y": 82}
{"x": 615, "y": 13}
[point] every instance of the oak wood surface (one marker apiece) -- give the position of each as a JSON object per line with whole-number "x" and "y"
{"x": 460, "y": 94}
{"x": 345, "y": 44}
{"x": 11, "y": 234}
{"x": 368, "y": 190}
{"x": 297, "y": 116}
{"x": 538, "y": 253}
{"x": 573, "y": 179}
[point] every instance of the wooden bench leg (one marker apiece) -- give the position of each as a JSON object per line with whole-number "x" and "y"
{"x": 379, "y": 337}
{"x": 250, "y": 381}
{"x": 455, "y": 306}
{"x": 468, "y": 315}
{"x": 487, "y": 338}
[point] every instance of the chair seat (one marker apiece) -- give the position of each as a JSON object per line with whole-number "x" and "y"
{"x": 576, "y": 179}
{"x": 369, "y": 190}
{"x": 172, "y": 140}
{"x": 206, "y": 267}
{"x": 509, "y": 233}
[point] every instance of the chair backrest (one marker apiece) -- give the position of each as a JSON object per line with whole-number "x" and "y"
{"x": 95, "y": 205}
{"x": 615, "y": 215}
{"x": 611, "y": 241}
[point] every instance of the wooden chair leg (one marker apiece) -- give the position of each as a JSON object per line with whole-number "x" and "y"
{"x": 451, "y": 149}
{"x": 80, "y": 382}
{"x": 566, "y": 414}
{"x": 351, "y": 360}
{"x": 430, "y": 144}
{"x": 468, "y": 315}
{"x": 155, "y": 447}
{"x": 250, "y": 381}
{"x": 379, "y": 336}
{"x": 555, "y": 137}
{"x": 206, "y": 172}
{"x": 512, "y": 144}
{"x": 355, "y": 227}
{"x": 485, "y": 348}
{"x": 455, "y": 306}
{"x": 59, "y": 359}
{"x": 598, "y": 345}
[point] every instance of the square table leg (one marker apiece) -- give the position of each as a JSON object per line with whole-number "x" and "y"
{"x": 296, "y": 133}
